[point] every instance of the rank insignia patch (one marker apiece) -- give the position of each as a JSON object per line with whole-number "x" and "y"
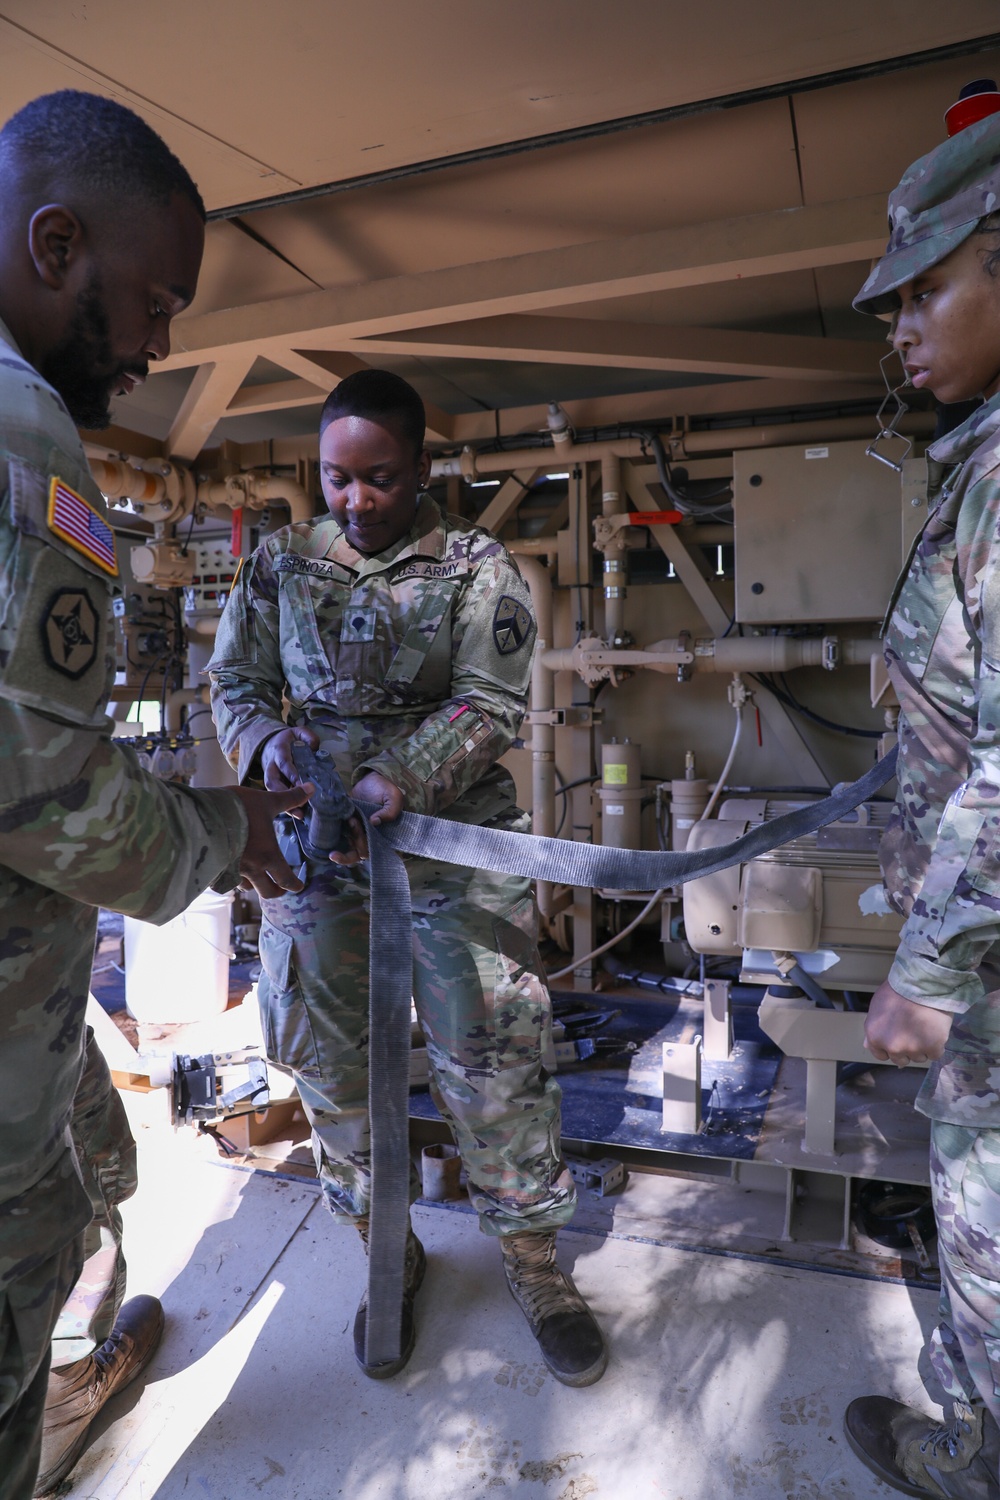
{"x": 511, "y": 625}
{"x": 358, "y": 625}
{"x": 76, "y": 521}
{"x": 70, "y": 631}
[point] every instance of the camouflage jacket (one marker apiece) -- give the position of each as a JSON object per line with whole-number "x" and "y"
{"x": 941, "y": 852}
{"x": 414, "y": 662}
{"x": 78, "y": 818}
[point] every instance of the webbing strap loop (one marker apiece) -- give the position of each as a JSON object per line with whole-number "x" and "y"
{"x": 390, "y": 991}
{"x": 391, "y": 974}
{"x": 616, "y": 869}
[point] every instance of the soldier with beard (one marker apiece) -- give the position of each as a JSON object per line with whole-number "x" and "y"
{"x": 101, "y": 236}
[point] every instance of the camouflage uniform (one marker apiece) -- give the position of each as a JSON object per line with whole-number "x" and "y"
{"x": 413, "y": 663}
{"x": 105, "y": 1153}
{"x": 941, "y": 863}
{"x": 941, "y": 853}
{"x": 80, "y": 827}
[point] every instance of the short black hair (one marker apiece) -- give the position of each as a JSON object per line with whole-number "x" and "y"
{"x": 75, "y": 141}
{"x": 377, "y": 395}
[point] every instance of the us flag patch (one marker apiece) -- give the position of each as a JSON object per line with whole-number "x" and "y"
{"x": 75, "y": 520}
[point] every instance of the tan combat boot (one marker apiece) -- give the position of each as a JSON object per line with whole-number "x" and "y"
{"x": 77, "y": 1392}
{"x": 413, "y": 1275}
{"x": 571, "y": 1342}
{"x": 919, "y": 1456}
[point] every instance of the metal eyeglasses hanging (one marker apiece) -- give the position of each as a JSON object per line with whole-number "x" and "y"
{"x": 890, "y": 414}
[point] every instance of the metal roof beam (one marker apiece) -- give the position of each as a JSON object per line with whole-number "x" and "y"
{"x": 762, "y": 244}
{"x": 637, "y": 346}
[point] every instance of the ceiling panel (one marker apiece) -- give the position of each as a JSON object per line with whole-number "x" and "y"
{"x": 859, "y": 138}
{"x": 688, "y": 171}
{"x": 259, "y": 96}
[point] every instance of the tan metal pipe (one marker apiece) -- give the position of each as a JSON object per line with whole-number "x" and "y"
{"x": 118, "y": 480}
{"x": 156, "y": 488}
{"x": 594, "y": 661}
{"x": 253, "y": 491}
{"x": 612, "y": 504}
{"x": 176, "y": 701}
{"x": 541, "y": 702}
{"x": 783, "y": 434}
{"x": 279, "y": 487}
{"x": 760, "y": 653}
{"x": 167, "y": 490}
{"x": 472, "y": 465}
{"x": 532, "y": 546}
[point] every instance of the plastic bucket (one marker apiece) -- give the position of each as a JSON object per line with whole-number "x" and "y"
{"x": 180, "y": 972}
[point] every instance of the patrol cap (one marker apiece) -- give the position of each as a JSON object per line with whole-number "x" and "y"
{"x": 937, "y": 205}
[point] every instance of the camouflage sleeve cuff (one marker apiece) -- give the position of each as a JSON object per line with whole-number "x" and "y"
{"x": 420, "y": 796}
{"x": 927, "y": 983}
{"x": 446, "y": 755}
{"x": 250, "y": 743}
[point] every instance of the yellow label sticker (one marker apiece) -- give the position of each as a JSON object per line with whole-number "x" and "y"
{"x": 615, "y": 774}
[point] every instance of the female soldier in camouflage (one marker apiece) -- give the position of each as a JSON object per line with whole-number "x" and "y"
{"x": 940, "y": 277}
{"x": 401, "y": 639}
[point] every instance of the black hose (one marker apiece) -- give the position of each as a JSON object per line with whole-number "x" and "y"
{"x": 785, "y": 695}
{"x": 669, "y": 984}
{"x": 681, "y": 500}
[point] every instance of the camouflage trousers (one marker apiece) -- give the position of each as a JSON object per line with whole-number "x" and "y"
{"x": 483, "y": 1007}
{"x": 105, "y": 1152}
{"x": 28, "y": 1310}
{"x": 91, "y": 1265}
{"x": 965, "y": 1183}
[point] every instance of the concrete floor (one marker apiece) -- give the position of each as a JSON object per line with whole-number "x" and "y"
{"x": 728, "y": 1376}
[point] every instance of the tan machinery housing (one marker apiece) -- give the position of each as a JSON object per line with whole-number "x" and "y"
{"x": 819, "y": 895}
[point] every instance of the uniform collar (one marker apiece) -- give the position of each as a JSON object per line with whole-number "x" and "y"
{"x": 955, "y": 447}
{"x": 426, "y": 538}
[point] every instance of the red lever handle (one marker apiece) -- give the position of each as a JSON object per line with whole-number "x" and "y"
{"x": 654, "y": 517}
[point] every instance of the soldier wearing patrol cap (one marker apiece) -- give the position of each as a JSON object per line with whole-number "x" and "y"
{"x": 940, "y": 278}
{"x": 101, "y": 234}
{"x": 400, "y": 639}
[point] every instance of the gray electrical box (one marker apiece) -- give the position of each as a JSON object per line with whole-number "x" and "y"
{"x": 817, "y": 534}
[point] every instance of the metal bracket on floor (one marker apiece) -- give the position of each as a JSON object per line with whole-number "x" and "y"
{"x": 718, "y": 1020}
{"x": 602, "y": 1177}
{"x": 823, "y": 1038}
{"x": 682, "y": 1087}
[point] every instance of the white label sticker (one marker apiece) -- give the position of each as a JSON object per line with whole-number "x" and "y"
{"x": 817, "y": 453}
{"x": 614, "y": 810}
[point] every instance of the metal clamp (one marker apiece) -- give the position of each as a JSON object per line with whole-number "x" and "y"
{"x": 576, "y": 716}
{"x": 890, "y": 414}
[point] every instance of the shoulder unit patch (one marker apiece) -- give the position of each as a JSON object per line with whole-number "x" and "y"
{"x": 511, "y": 625}
{"x": 83, "y": 528}
{"x": 70, "y": 631}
